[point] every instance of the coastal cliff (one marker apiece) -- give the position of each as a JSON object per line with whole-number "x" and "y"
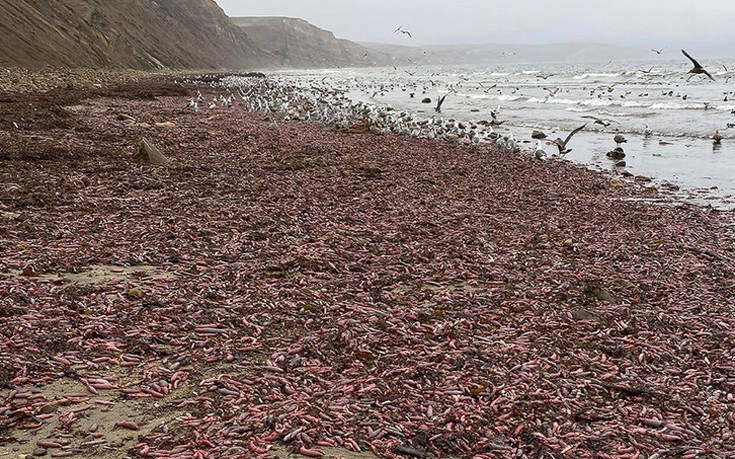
{"x": 141, "y": 34}
{"x": 292, "y": 42}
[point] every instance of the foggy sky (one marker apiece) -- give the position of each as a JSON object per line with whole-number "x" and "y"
{"x": 703, "y": 25}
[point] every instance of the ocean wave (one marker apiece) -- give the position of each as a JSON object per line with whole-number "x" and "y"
{"x": 584, "y": 76}
{"x": 620, "y": 114}
{"x": 625, "y": 103}
{"x": 500, "y": 97}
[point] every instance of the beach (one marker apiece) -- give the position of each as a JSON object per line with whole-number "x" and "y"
{"x": 286, "y": 288}
{"x": 667, "y": 118}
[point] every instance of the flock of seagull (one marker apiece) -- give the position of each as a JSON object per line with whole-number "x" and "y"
{"x": 322, "y": 103}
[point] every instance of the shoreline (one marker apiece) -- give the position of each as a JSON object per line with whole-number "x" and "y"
{"x": 691, "y": 161}
{"x": 306, "y": 287}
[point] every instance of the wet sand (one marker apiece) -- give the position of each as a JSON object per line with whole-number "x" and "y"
{"x": 306, "y": 287}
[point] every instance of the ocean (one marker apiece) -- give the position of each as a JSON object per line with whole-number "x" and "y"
{"x": 683, "y": 113}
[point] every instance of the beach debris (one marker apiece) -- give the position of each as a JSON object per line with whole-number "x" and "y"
{"x": 127, "y": 425}
{"x": 594, "y": 290}
{"x": 136, "y": 292}
{"x": 149, "y": 153}
{"x": 125, "y": 117}
{"x": 538, "y": 135}
{"x": 462, "y": 302}
{"x": 9, "y": 215}
{"x": 410, "y": 451}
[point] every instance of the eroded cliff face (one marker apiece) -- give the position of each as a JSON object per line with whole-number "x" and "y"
{"x": 296, "y": 43}
{"x": 131, "y": 33}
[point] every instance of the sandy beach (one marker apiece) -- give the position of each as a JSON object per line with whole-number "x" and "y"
{"x": 290, "y": 290}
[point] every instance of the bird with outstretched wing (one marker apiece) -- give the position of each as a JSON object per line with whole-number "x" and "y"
{"x": 697, "y": 69}
{"x": 562, "y": 144}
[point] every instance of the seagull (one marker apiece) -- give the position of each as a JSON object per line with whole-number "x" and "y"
{"x": 619, "y": 139}
{"x": 658, "y": 51}
{"x": 194, "y": 104}
{"x": 600, "y": 121}
{"x": 439, "y": 103}
{"x": 697, "y": 69}
{"x": 405, "y": 32}
{"x": 717, "y": 137}
{"x": 495, "y": 121}
{"x": 540, "y": 153}
{"x": 562, "y": 144}
{"x": 647, "y": 132}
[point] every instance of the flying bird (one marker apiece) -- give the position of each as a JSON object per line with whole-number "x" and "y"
{"x": 717, "y": 138}
{"x": 658, "y": 51}
{"x": 495, "y": 121}
{"x": 439, "y": 103}
{"x": 599, "y": 121}
{"x": 562, "y": 144}
{"x": 405, "y": 32}
{"x": 697, "y": 69}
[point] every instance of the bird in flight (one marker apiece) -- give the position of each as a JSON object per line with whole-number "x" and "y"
{"x": 697, "y": 69}
{"x": 599, "y": 121}
{"x": 439, "y": 103}
{"x": 658, "y": 51}
{"x": 403, "y": 31}
{"x": 562, "y": 144}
